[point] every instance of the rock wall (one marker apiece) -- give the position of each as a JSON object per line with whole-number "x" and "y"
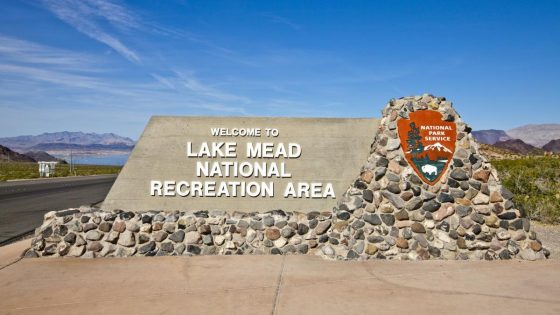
{"x": 387, "y": 213}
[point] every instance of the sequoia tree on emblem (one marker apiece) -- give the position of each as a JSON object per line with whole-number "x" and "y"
{"x": 428, "y": 143}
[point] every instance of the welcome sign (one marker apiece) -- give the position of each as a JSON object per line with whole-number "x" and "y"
{"x": 242, "y": 164}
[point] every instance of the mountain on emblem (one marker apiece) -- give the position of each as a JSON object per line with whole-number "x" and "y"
{"x": 428, "y": 143}
{"x": 437, "y": 146}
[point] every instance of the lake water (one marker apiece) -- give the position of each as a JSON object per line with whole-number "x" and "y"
{"x": 117, "y": 159}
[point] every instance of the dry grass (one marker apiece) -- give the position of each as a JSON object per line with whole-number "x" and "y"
{"x": 13, "y": 170}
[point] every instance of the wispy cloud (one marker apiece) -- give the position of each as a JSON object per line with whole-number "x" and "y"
{"x": 50, "y": 76}
{"x": 196, "y": 86}
{"x": 188, "y": 82}
{"x": 89, "y": 16}
{"x": 28, "y": 66}
{"x": 165, "y": 81}
{"x": 282, "y": 20}
{"x": 22, "y": 51}
{"x": 221, "y": 108}
{"x": 25, "y": 60}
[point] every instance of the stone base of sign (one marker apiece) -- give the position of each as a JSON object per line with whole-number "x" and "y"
{"x": 387, "y": 213}
{"x": 90, "y": 233}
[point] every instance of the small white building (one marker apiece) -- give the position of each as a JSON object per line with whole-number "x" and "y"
{"x": 46, "y": 169}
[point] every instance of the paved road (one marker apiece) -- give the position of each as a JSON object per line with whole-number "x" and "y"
{"x": 23, "y": 203}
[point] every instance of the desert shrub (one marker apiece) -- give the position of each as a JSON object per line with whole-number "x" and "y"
{"x": 535, "y": 181}
{"x": 18, "y": 170}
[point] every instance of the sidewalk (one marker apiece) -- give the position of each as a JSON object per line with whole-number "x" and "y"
{"x": 274, "y": 285}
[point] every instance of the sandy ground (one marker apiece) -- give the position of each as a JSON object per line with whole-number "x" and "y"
{"x": 549, "y": 236}
{"x": 295, "y": 284}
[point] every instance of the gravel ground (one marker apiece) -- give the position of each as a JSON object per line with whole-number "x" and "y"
{"x": 549, "y": 235}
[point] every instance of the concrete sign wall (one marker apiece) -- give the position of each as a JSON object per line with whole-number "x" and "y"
{"x": 242, "y": 164}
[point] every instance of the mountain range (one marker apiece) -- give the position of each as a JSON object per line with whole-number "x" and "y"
{"x": 528, "y": 139}
{"x": 490, "y": 136}
{"x": 535, "y": 135}
{"x": 518, "y": 146}
{"x": 65, "y": 141}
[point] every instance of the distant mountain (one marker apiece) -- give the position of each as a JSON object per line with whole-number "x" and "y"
{"x": 7, "y": 155}
{"x": 23, "y": 143}
{"x": 552, "y": 146}
{"x": 518, "y": 146}
{"x": 536, "y": 135}
{"x": 496, "y": 153}
{"x": 81, "y": 147}
{"x": 62, "y": 144}
{"x": 43, "y": 156}
{"x": 490, "y": 136}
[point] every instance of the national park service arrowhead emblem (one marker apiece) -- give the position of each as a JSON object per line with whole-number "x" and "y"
{"x": 428, "y": 143}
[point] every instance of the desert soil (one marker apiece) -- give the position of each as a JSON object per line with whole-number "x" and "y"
{"x": 549, "y": 236}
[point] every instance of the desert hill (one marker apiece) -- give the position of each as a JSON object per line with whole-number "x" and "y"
{"x": 552, "y": 146}
{"x": 7, "y": 155}
{"x": 43, "y": 156}
{"x": 518, "y": 146}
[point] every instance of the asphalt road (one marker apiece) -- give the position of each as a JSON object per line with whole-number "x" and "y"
{"x": 23, "y": 203}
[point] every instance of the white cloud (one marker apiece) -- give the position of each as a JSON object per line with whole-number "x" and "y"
{"x": 50, "y": 76}
{"x": 26, "y": 62}
{"x": 51, "y": 72}
{"x": 189, "y": 83}
{"x": 87, "y": 17}
{"x": 282, "y": 20}
{"x": 196, "y": 86}
{"x": 165, "y": 81}
{"x": 22, "y": 51}
{"x": 221, "y": 108}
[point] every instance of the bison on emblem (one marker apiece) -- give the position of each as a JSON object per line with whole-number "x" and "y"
{"x": 429, "y": 170}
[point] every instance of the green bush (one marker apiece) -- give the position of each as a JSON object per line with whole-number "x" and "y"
{"x": 535, "y": 181}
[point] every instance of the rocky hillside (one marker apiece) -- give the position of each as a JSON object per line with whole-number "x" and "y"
{"x": 536, "y": 135}
{"x": 24, "y": 143}
{"x": 7, "y": 155}
{"x": 552, "y": 146}
{"x": 490, "y": 136}
{"x": 518, "y": 146}
{"x": 495, "y": 153}
{"x": 43, "y": 156}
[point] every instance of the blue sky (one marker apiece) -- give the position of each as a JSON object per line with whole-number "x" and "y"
{"x": 107, "y": 66}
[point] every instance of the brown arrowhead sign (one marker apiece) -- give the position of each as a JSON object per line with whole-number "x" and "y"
{"x": 428, "y": 143}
